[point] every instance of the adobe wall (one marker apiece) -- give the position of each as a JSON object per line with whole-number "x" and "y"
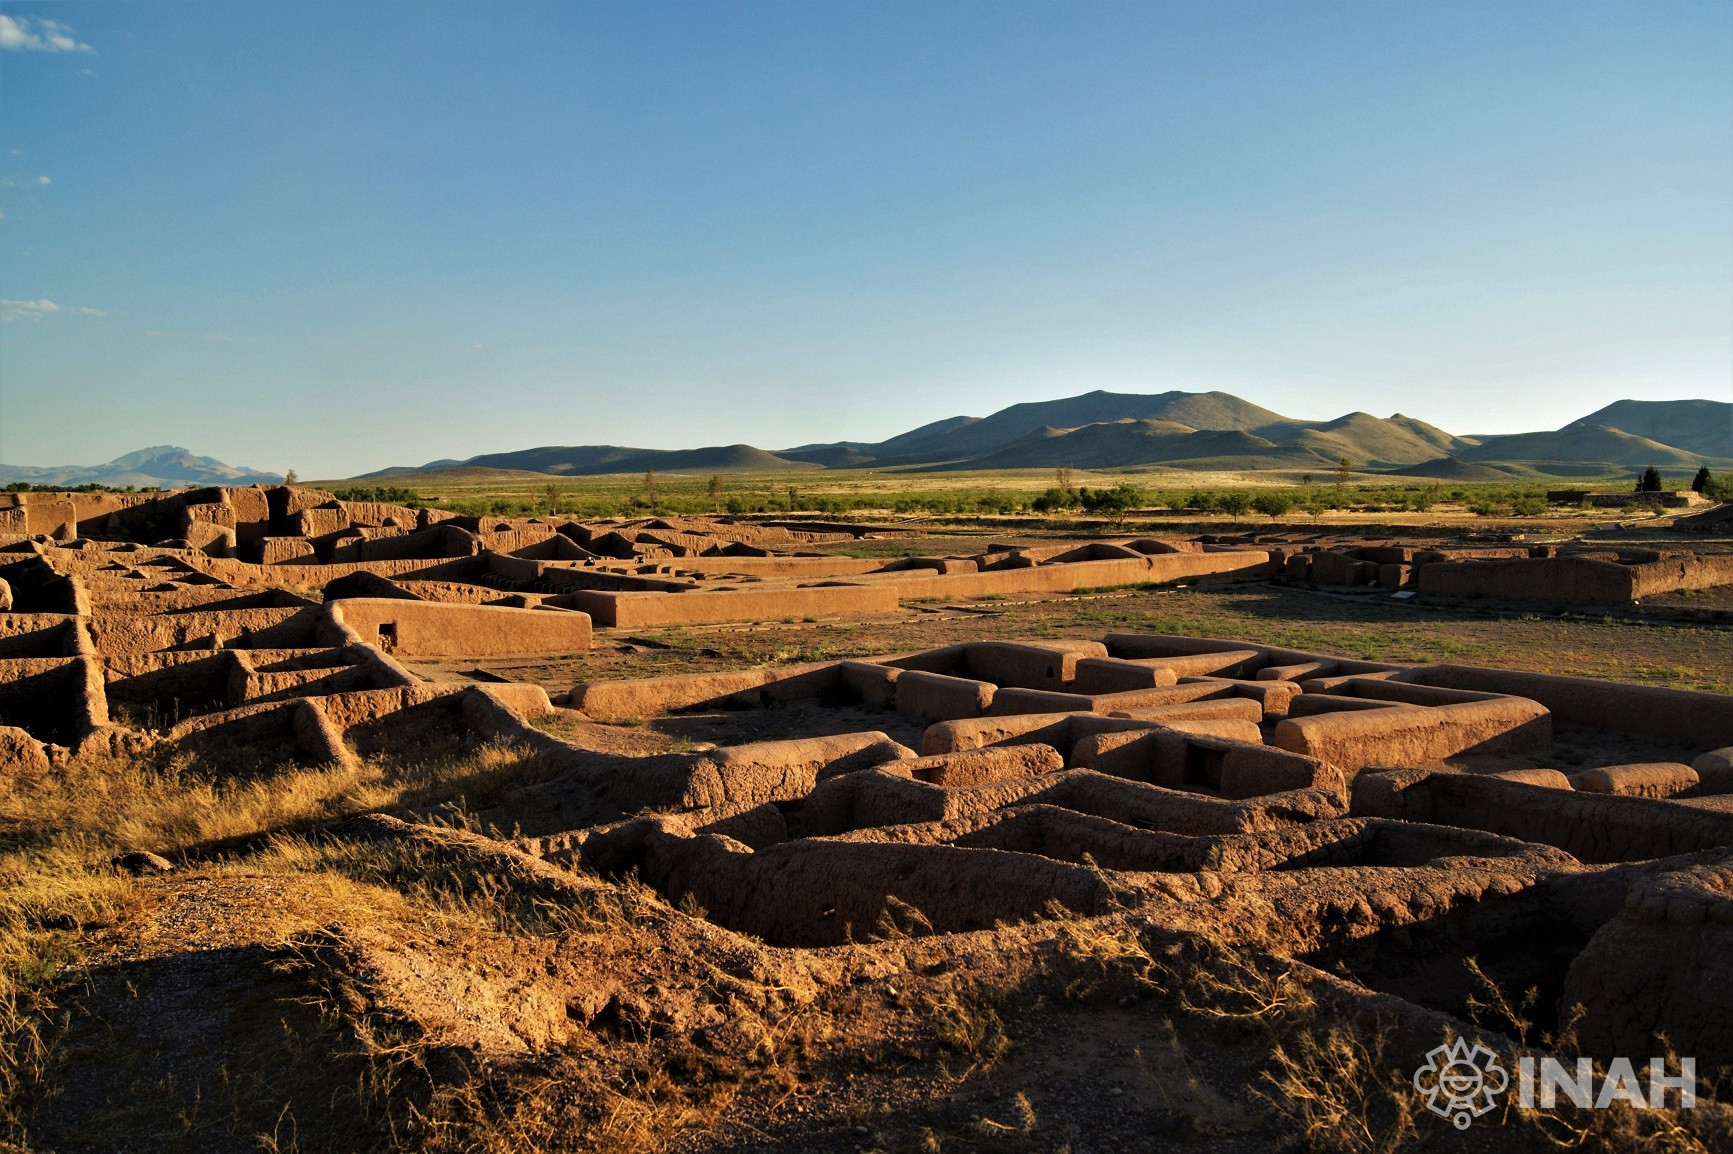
{"x": 58, "y": 700}
{"x": 1670, "y": 573}
{"x": 161, "y": 689}
{"x": 1654, "y": 978}
{"x": 1414, "y": 734}
{"x": 1117, "y": 674}
{"x": 1701, "y": 720}
{"x": 1571, "y": 579}
{"x": 124, "y": 633}
{"x": 736, "y": 778}
{"x": 1147, "y": 646}
{"x": 242, "y": 573}
{"x": 1064, "y": 730}
{"x": 38, "y": 635}
{"x": 781, "y": 566}
{"x": 433, "y": 629}
{"x": 819, "y": 893}
{"x": 1229, "y": 759}
{"x": 1594, "y": 828}
{"x": 654, "y": 696}
{"x": 51, "y": 514}
{"x": 641, "y": 610}
{"x": 37, "y": 588}
{"x": 1029, "y": 665}
{"x": 1068, "y": 576}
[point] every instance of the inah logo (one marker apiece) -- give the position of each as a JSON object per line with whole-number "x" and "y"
{"x": 1460, "y": 1082}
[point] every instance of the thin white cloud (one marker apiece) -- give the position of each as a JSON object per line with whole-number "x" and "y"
{"x": 36, "y": 310}
{"x": 26, "y": 34}
{"x": 43, "y": 180}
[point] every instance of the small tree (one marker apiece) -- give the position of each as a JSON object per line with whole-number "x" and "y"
{"x": 1119, "y": 499}
{"x": 716, "y": 492}
{"x": 650, "y": 488}
{"x": 1235, "y": 503}
{"x": 290, "y": 478}
{"x": 793, "y": 498}
{"x": 552, "y": 496}
{"x": 1700, "y": 482}
{"x": 1650, "y": 482}
{"x": 1344, "y": 467}
{"x": 1273, "y": 503}
{"x": 1054, "y": 500}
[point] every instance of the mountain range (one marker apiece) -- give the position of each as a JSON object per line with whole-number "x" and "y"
{"x": 160, "y": 466}
{"x": 1099, "y": 431}
{"x": 1181, "y": 430}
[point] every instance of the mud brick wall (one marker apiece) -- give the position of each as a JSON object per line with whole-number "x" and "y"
{"x": 428, "y": 628}
{"x": 1703, "y": 720}
{"x": 1569, "y": 579}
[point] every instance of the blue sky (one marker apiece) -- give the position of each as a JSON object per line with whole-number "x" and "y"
{"x": 334, "y": 237}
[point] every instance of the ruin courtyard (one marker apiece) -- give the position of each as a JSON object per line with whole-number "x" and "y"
{"x": 346, "y": 825}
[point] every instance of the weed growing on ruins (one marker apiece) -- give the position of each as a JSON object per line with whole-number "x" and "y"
{"x": 1491, "y": 1008}
{"x": 1334, "y": 1083}
{"x": 46, "y": 902}
{"x": 58, "y": 830}
{"x": 1341, "y": 1087}
{"x": 969, "y": 1024}
{"x": 95, "y": 806}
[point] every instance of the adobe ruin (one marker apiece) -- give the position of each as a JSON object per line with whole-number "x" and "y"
{"x": 1394, "y": 826}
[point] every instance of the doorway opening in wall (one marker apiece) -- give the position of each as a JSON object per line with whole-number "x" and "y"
{"x": 388, "y": 635}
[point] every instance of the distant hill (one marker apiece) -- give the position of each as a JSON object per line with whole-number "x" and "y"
{"x": 1577, "y": 444}
{"x": 961, "y": 439}
{"x": 1121, "y": 444}
{"x": 593, "y": 460}
{"x": 1701, "y": 427}
{"x": 1181, "y": 430}
{"x": 160, "y": 466}
{"x": 1452, "y": 469}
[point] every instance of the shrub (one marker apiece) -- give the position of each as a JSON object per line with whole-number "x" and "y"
{"x": 1115, "y": 500}
{"x": 1273, "y": 503}
{"x": 1235, "y": 503}
{"x": 1055, "y": 499}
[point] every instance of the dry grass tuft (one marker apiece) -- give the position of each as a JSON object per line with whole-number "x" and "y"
{"x": 1341, "y": 1089}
